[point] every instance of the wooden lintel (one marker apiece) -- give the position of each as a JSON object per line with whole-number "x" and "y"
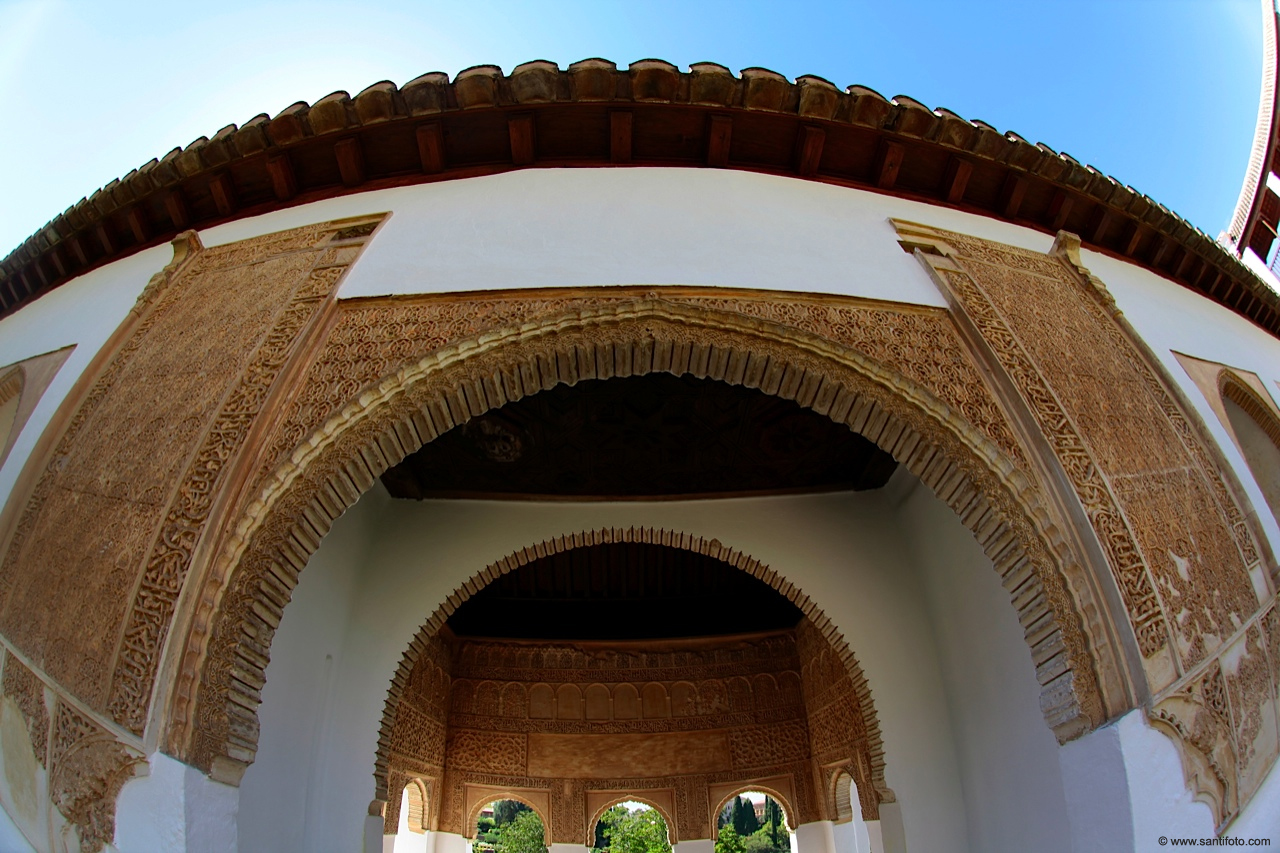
{"x": 176, "y": 206}
{"x": 620, "y": 136}
{"x": 1059, "y": 209}
{"x": 520, "y": 130}
{"x": 283, "y": 180}
{"x": 40, "y": 273}
{"x": 430, "y": 136}
{"x": 350, "y": 161}
{"x": 104, "y": 238}
{"x": 224, "y": 196}
{"x": 55, "y": 256}
{"x": 888, "y": 162}
{"x": 1011, "y": 194}
{"x": 137, "y": 224}
{"x": 809, "y": 143}
{"x": 1133, "y": 240}
{"x": 1215, "y": 284}
{"x": 956, "y": 181}
{"x": 77, "y": 249}
{"x": 719, "y": 138}
{"x": 25, "y": 284}
{"x": 1099, "y": 223}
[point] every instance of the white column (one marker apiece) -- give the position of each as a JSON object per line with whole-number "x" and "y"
{"x": 816, "y": 837}
{"x": 176, "y": 807}
{"x": 450, "y": 842}
{"x": 893, "y": 835}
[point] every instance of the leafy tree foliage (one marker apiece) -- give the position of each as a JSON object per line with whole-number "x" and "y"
{"x": 608, "y": 821}
{"x": 639, "y": 831}
{"x": 522, "y": 834}
{"x": 743, "y": 817}
{"x": 729, "y": 841}
{"x": 505, "y": 811}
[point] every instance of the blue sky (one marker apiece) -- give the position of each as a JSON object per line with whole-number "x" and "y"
{"x": 1161, "y": 94}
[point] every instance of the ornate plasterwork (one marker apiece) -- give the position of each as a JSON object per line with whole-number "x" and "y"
{"x": 1182, "y": 551}
{"x": 126, "y": 491}
{"x": 394, "y": 374}
{"x": 687, "y": 718}
{"x": 87, "y": 768}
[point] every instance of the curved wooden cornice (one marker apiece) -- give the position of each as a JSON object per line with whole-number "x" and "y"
{"x": 651, "y": 114}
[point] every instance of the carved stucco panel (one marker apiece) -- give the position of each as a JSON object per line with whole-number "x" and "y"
{"x": 110, "y": 527}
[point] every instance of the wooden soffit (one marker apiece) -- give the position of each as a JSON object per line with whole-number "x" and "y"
{"x": 651, "y": 114}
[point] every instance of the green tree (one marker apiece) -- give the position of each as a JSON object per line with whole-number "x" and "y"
{"x": 505, "y": 811}
{"x": 639, "y": 831}
{"x": 523, "y": 834}
{"x": 607, "y": 822}
{"x": 773, "y": 819}
{"x": 729, "y": 841}
{"x": 744, "y": 818}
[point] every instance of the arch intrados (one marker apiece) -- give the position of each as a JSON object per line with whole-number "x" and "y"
{"x": 415, "y": 787}
{"x": 843, "y": 787}
{"x": 1232, "y": 387}
{"x": 648, "y": 536}
{"x": 329, "y": 471}
{"x": 630, "y": 798}
{"x": 787, "y": 811}
{"x": 483, "y": 799}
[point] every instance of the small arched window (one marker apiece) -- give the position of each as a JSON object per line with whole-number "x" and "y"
{"x": 1256, "y": 429}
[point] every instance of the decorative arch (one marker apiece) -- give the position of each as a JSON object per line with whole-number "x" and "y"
{"x": 417, "y": 805}
{"x": 212, "y": 721}
{"x": 783, "y": 801}
{"x": 1262, "y": 462}
{"x": 648, "y": 536}
{"x": 479, "y": 798}
{"x": 662, "y": 810}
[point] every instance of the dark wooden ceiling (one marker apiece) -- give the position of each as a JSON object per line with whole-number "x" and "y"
{"x": 623, "y": 591}
{"x": 643, "y": 437}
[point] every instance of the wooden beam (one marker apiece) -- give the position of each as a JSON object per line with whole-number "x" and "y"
{"x": 1099, "y": 223}
{"x": 350, "y": 161}
{"x": 283, "y": 180}
{"x": 224, "y": 195}
{"x": 56, "y": 257}
{"x": 1059, "y": 209}
{"x": 520, "y": 131}
{"x": 888, "y": 162}
{"x": 809, "y": 144}
{"x": 1012, "y": 193}
{"x": 719, "y": 137}
{"x": 137, "y": 224}
{"x": 176, "y": 206}
{"x": 620, "y": 136}
{"x": 104, "y": 238}
{"x": 77, "y": 249}
{"x": 1131, "y": 242}
{"x": 1161, "y": 253}
{"x": 430, "y": 136}
{"x": 956, "y": 181}
{"x": 1184, "y": 263}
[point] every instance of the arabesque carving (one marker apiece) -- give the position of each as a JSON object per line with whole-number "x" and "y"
{"x": 1180, "y": 547}
{"x": 392, "y": 377}
{"x": 27, "y": 691}
{"x": 87, "y": 769}
{"x": 113, "y": 520}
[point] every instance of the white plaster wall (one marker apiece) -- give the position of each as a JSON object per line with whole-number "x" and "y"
{"x": 1013, "y": 787}
{"x": 849, "y": 552}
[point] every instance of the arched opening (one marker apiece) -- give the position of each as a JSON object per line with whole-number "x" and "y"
{"x": 1257, "y": 434}
{"x": 753, "y": 821}
{"x": 631, "y": 825}
{"x": 508, "y": 826}
{"x": 851, "y": 833}
{"x": 983, "y": 497}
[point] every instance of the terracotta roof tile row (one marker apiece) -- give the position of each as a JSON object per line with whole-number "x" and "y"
{"x": 484, "y": 122}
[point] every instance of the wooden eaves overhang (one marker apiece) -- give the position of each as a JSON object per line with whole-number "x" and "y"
{"x": 651, "y": 114}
